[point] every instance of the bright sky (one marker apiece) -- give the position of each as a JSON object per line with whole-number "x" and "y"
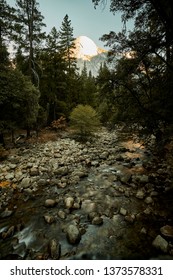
{"x": 85, "y": 20}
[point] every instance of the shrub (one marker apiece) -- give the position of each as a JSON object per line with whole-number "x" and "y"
{"x": 59, "y": 124}
{"x": 84, "y": 120}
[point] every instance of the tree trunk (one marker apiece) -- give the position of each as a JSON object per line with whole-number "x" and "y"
{"x": 28, "y": 132}
{"x": 2, "y": 142}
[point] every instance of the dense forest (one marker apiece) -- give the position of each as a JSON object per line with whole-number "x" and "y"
{"x": 40, "y": 82}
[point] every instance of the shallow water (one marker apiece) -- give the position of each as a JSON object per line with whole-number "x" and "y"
{"x": 114, "y": 239}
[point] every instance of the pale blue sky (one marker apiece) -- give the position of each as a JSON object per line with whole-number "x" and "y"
{"x": 85, "y": 20}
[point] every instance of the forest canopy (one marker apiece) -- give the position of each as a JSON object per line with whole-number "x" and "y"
{"x": 41, "y": 82}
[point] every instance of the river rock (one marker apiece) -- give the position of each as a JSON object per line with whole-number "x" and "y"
{"x": 62, "y": 214}
{"x": 92, "y": 215}
{"x": 69, "y": 201}
{"x": 73, "y": 234}
{"x": 25, "y": 183}
{"x": 123, "y": 211}
{"x": 140, "y": 194}
{"x": 104, "y": 155}
{"x": 143, "y": 231}
{"x": 125, "y": 178}
{"x": 160, "y": 243}
{"x": 34, "y": 171}
{"x": 6, "y": 213}
{"x": 76, "y": 205}
{"x": 49, "y": 219}
{"x": 143, "y": 179}
{"x": 9, "y": 176}
{"x": 8, "y": 233}
{"x": 54, "y": 249}
{"x": 42, "y": 182}
{"x": 88, "y": 206}
{"x": 12, "y": 166}
{"x": 50, "y": 203}
{"x": 97, "y": 221}
{"x": 130, "y": 218}
{"x": 167, "y": 231}
{"x": 61, "y": 171}
{"x": 149, "y": 200}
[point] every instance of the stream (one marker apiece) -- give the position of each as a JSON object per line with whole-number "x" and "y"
{"x": 105, "y": 199}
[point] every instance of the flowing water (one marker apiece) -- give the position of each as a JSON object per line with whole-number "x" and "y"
{"x": 120, "y": 234}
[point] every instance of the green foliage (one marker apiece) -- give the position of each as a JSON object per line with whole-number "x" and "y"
{"x": 139, "y": 88}
{"x": 6, "y": 21}
{"x": 29, "y": 35}
{"x": 87, "y": 88}
{"x": 84, "y": 120}
{"x": 66, "y": 43}
{"x": 18, "y": 100}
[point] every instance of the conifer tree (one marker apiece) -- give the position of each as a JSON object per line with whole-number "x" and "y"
{"x": 66, "y": 41}
{"x": 29, "y": 34}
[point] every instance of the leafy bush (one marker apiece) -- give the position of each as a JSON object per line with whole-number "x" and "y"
{"x": 84, "y": 120}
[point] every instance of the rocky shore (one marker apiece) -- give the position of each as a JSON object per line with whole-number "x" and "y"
{"x": 108, "y": 198}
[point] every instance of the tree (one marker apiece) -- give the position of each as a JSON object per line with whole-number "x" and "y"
{"x": 66, "y": 48}
{"x": 130, "y": 9}
{"x": 29, "y": 33}
{"x": 87, "y": 88}
{"x": 53, "y": 78}
{"x": 6, "y": 30}
{"x": 6, "y": 21}
{"x": 18, "y": 101}
{"x": 145, "y": 58}
{"x": 66, "y": 43}
{"x": 105, "y": 93}
{"x": 52, "y": 40}
{"x": 84, "y": 120}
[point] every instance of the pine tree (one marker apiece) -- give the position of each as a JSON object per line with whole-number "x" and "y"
{"x": 6, "y": 31}
{"x": 6, "y": 21}
{"x": 29, "y": 33}
{"x": 66, "y": 48}
{"x": 53, "y": 81}
{"x": 52, "y": 40}
{"x": 67, "y": 45}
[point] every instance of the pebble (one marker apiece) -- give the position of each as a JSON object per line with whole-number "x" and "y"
{"x": 49, "y": 219}
{"x": 69, "y": 201}
{"x": 148, "y": 200}
{"x": 167, "y": 231}
{"x": 123, "y": 211}
{"x": 140, "y": 194}
{"x": 50, "y": 203}
{"x": 97, "y": 221}
{"x": 73, "y": 234}
{"x": 54, "y": 249}
{"x": 160, "y": 243}
{"x": 62, "y": 214}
